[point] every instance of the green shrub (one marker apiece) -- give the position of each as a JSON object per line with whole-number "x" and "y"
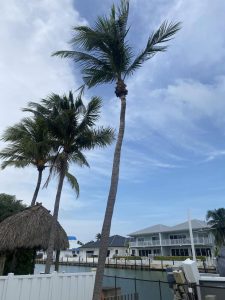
{"x": 177, "y": 258}
{"x": 24, "y": 262}
{"x": 127, "y": 257}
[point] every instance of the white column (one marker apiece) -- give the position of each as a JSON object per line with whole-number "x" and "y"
{"x": 191, "y": 236}
{"x": 160, "y": 242}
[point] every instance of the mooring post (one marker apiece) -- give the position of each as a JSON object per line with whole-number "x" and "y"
{"x": 160, "y": 292}
{"x": 115, "y": 288}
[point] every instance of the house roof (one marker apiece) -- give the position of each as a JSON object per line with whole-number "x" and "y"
{"x": 114, "y": 241}
{"x": 151, "y": 229}
{"x": 196, "y": 224}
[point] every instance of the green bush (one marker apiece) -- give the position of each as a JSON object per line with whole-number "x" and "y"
{"x": 24, "y": 262}
{"x": 127, "y": 257}
{"x": 177, "y": 258}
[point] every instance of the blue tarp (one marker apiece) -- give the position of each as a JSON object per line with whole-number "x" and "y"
{"x": 72, "y": 238}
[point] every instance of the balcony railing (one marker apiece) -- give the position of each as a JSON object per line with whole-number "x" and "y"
{"x": 145, "y": 243}
{"x": 170, "y": 242}
{"x": 187, "y": 241}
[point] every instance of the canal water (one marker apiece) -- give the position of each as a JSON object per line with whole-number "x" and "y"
{"x": 146, "y": 289}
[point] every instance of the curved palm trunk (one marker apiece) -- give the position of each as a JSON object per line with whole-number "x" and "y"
{"x": 51, "y": 242}
{"x": 37, "y": 187}
{"x": 110, "y": 204}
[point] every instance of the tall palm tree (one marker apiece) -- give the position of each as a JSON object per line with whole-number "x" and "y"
{"x": 29, "y": 144}
{"x": 216, "y": 220}
{"x": 72, "y": 127}
{"x": 105, "y": 56}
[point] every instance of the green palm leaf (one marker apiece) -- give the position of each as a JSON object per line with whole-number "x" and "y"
{"x": 216, "y": 220}
{"x": 165, "y": 32}
{"x": 73, "y": 183}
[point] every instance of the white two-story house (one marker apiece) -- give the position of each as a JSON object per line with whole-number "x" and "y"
{"x": 173, "y": 240}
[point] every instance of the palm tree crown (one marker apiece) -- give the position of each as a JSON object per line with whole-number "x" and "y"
{"x": 71, "y": 126}
{"x": 104, "y": 52}
{"x": 29, "y": 144}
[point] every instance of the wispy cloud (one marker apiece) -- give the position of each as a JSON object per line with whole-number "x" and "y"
{"x": 215, "y": 154}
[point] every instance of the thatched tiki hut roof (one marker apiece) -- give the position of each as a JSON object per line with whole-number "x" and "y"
{"x": 30, "y": 229}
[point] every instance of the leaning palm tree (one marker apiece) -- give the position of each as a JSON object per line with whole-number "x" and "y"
{"x": 72, "y": 127}
{"x": 105, "y": 56}
{"x": 216, "y": 221}
{"x": 29, "y": 144}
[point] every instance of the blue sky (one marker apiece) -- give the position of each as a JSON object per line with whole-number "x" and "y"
{"x": 174, "y": 150}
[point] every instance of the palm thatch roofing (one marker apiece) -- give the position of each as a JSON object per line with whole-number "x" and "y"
{"x": 30, "y": 229}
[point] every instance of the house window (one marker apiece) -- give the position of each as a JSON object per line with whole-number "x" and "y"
{"x": 108, "y": 253}
{"x": 116, "y": 252}
{"x": 203, "y": 252}
{"x": 141, "y": 239}
{"x": 177, "y": 236}
{"x": 133, "y": 253}
{"x": 155, "y": 238}
{"x": 179, "y": 252}
{"x": 145, "y": 252}
{"x": 89, "y": 253}
{"x": 156, "y": 251}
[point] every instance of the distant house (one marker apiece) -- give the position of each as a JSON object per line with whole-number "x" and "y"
{"x": 118, "y": 246}
{"x": 173, "y": 240}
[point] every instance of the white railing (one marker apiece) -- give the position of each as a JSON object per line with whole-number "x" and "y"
{"x": 144, "y": 243}
{"x": 170, "y": 242}
{"x": 187, "y": 241}
{"x": 55, "y": 286}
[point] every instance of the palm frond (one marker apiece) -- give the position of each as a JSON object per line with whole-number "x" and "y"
{"x": 94, "y": 77}
{"x": 164, "y": 34}
{"x": 79, "y": 158}
{"x": 73, "y": 183}
{"x": 123, "y": 13}
{"x": 15, "y": 163}
{"x": 92, "y": 114}
{"x": 100, "y": 137}
{"x": 216, "y": 221}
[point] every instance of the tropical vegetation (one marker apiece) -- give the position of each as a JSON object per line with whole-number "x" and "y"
{"x": 9, "y": 205}
{"x": 72, "y": 127}
{"x": 28, "y": 145}
{"x": 216, "y": 220}
{"x": 106, "y": 56}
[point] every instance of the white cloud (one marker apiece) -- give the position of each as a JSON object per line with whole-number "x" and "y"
{"x": 31, "y": 32}
{"x": 215, "y": 154}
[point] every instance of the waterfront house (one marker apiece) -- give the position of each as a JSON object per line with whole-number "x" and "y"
{"x": 172, "y": 240}
{"x": 118, "y": 246}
